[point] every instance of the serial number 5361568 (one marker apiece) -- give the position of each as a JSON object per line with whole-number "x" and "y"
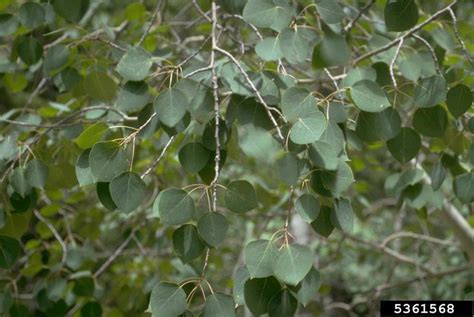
{"x": 431, "y": 308}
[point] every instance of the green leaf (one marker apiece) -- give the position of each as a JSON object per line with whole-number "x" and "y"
{"x": 296, "y": 44}
{"x": 105, "y": 198}
{"x": 186, "y": 243}
{"x": 431, "y": 122}
{"x": 128, "y": 191}
{"x": 459, "y": 99}
{"x": 31, "y": 14}
{"x": 241, "y": 276}
{"x": 282, "y": 304}
{"x": 219, "y": 305}
{"x": 430, "y": 91}
{"x": 91, "y": 309}
{"x": 269, "y": 49}
{"x": 133, "y": 96}
{"x": 400, "y": 15}
{"x": 170, "y": 106}
{"x": 330, "y": 11}
{"x": 193, "y": 157}
{"x": 56, "y": 58}
{"x": 323, "y": 225}
{"x": 91, "y": 135}
{"x": 275, "y": 14}
{"x": 288, "y": 168}
{"x": 378, "y": 126}
{"x": 463, "y": 187}
{"x": 334, "y": 183}
{"x": 18, "y": 181}
{"x": 9, "y": 251}
{"x": 309, "y": 287}
{"x": 298, "y": 103}
{"x": 324, "y": 155}
{"x": 258, "y": 257}
{"x": 212, "y": 228}
{"x": 292, "y": 263}
{"x": 107, "y": 160}
{"x": 309, "y": 129}
{"x": 8, "y": 147}
{"x": 331, "y": 51}
{"x": 368, "y": 96}
{"x": 167, "y": 300}
{"x": 67, "y": 79}
{"x": 84, "y": 286}
{"x": 240, "y": 197}
{"x": 8, "y": 24}
{"x": 71, "y": 10}
{"x": 209, "y": 135}
{"x": 135, "y": 64}
{"x": 358, "y": 74}
{"x": 405, "y": 145}
{"x": 100, "y": 86}
{"x": 29, "y": 50}
{"x": 342, "y": 216}
{"x": 174, "y": 206}
{"x": 36, "y": 173}
{"x": 258, "y": 292}
{"x": 83, "y": 171}
{"x": 307, "y": 206}
{"x": 438, "y": 174}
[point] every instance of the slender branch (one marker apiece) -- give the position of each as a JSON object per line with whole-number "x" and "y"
{"x": 420, "y": 278}
{"x": 157, "y": 161}
{"x": 412, "y": 235}
{"x": 431, "y": 49}
{"x": 458, "y": 36}
{"x": 201, "y": 12}
{"x": 392, "y": 64}
{"x": 352, "y": 23}
{"x": 150, "y": 25}
{"x": 405, "y": 35}
{"x": 255, "y": 90}
{"x": 115, "y": 255}
{"x": 55, "y": 234}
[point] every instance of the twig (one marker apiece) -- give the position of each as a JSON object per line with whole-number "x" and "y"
{"x": 392, "y": 64}
{"x": 405, "y": 35}
{"x": 423, "y": 277}
{"x": 255, "y": 90}
{"x": 351, "y": 24}
{"x": 115, "y": 255}
{"x": 458, "y": 36}
{"x": 157, "y": 161}
{"x": 150, "y": 25}
{"x": 198, "y": 8}
{"x": 56, "y": 235}
{"x": 412, "y": 235}
{"x": 431, "y": 49}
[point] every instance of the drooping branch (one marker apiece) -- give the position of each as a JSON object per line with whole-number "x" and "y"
{"x": 408, "y": 33}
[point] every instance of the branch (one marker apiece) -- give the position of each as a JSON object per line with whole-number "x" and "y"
{"x": 115, "y": 255}
{"x": 55, "y": 234}
{"x": 392, "y": 64}
{"x": 352, "y": 23}
{"x": 255, "y": 90}
{"x": 458, "y": 36}
{"x": 412, "y": 235}
{"x": 431, "y": 49}
{"x": 152, "y": 21}
{"x": 157, "y": 161}
{"x": 405, "y": 35}
{"x": 420, "y": 278}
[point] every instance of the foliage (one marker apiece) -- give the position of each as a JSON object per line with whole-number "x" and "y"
{"x": 234, "y": 157}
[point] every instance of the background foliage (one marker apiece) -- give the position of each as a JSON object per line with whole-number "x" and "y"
{"x": 234, "y": 157}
